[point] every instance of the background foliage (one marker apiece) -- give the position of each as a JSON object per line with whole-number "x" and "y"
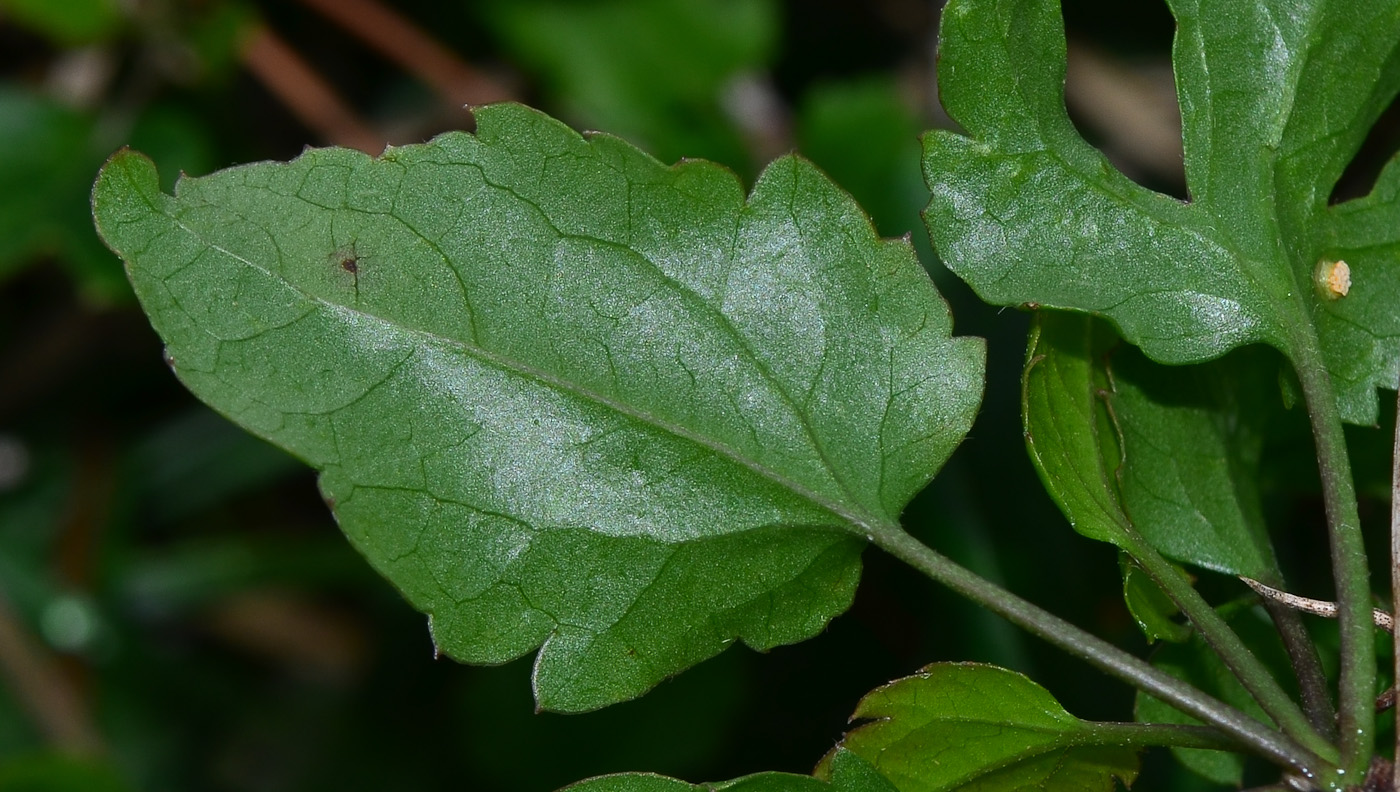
{"x": 183, "y": 583}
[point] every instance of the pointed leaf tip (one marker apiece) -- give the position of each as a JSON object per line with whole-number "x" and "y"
{"x": 561, "y": 395}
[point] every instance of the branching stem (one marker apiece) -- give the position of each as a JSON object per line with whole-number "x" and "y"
{"x": 1227, "y": 645}
{"x": 1275, "y": 745}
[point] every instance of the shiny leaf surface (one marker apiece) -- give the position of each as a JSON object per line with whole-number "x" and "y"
{"x": 1276, "y": 97}
{"x": 965, "y": 726}
{"x": 561, "y": 395}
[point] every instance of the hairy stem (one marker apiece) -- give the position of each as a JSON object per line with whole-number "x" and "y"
{"x": 1277, "y": 746}
{"x": 1395, "y": 571}
{"x": 1227, "y": 645}
{"x": 1357, "y": 688}
{"x": 1307, "y": 667}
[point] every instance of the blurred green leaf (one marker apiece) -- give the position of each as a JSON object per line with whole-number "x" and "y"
{"x": 48, "y": 772}
{"x": 66, "y": 22}
{"x": 966, "y": 726}
{"x": 45, "y": 182}
{"x": 1176, "y": 459}
{"x": 562, "y": 395}
{"x": 197, "y": 460}
{"x": 1276, "y": 97}
{"x": 216, "y": 34}
{"x": 42, "y": 210}
{"x": 653, "y": 72}
{"x": 865, "y": 135}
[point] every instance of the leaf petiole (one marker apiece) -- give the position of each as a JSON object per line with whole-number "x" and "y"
{"x": 1274, "y": 745}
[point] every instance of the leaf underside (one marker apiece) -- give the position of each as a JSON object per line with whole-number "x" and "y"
{"x": 561, "y": 395}
{"x": 1276, "y": 97}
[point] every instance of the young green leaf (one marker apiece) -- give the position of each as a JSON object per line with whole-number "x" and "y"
{"x": 1275, "y": 98}
{"x": 1182, "y": 484}
{"x": 69, "y": 23}
{"x": 965, "y": 726}
{"x": 561, "y": 395}
{"x": 845, "y": 771}
{"x": 1156, "y": 615}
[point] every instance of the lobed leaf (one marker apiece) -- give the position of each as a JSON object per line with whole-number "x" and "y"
{"x": 966, "y": 726}
{"x": 561, "y": 395}
{"x": 1276, "y": 97}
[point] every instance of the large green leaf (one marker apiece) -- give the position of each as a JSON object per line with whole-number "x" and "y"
{"x": 561, "y": 394}
{"x": 846, "y": 772}
{"x": 1276, "y": 96}
{"x": 966, "y": 726}
{"x": 1175, "y": 460}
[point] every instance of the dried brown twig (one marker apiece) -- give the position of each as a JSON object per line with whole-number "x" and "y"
{"x": 1322, "y": 608}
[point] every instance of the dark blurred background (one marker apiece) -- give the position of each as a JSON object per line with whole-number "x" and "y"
{"x": 178, "y": 609}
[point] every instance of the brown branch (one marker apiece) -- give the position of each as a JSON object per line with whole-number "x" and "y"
{"x": 36, "y": 680}
{"x": 302, "y": 91}
{"x": 404, "y": 43}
